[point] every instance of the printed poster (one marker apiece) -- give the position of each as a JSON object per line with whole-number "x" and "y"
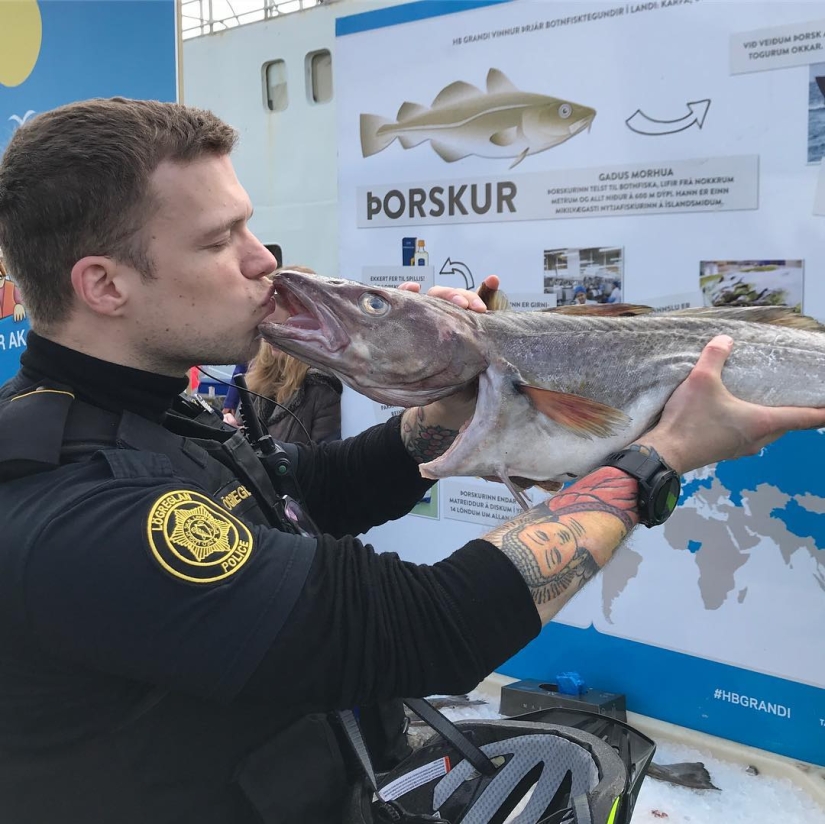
{"x": 665, "y": 153}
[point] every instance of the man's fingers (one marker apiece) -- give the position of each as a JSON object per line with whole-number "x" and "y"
{"x": 462, "y": 298}
{"x": 470, "y": 301}
{"x": 791, "y": 417}
{"x": 715, "y": 354}
{"x": 410, "y": 286}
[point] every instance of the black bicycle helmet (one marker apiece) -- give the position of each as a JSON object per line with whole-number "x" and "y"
{"x": 539, "y": 774}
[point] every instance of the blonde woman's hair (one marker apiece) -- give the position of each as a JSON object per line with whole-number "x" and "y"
{"x": 274, "y": 373}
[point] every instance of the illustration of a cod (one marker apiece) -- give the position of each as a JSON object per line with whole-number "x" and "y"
{"x": 463, "y": 120}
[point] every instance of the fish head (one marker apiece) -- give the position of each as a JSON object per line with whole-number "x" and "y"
{"x": 391, "y": 345}
{"x": 554, "y": 121}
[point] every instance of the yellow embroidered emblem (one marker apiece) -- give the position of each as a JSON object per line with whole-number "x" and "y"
{"x": 196, "y": 540}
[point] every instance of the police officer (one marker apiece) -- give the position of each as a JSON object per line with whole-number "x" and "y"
{"x": 175, "y": 629}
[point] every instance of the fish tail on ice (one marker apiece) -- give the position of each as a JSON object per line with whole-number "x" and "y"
{"x": 374, "y": 137}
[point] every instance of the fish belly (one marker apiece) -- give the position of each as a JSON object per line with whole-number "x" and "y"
{"x": 634, "y": 373}
{"x": 508, "y": 436}
{"x": 465, "y": 140}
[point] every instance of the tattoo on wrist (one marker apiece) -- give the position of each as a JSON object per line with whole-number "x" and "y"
{"x": 555, "y": 546}
{"x": 425, "y": 442}
{"x": 606, "y": 490}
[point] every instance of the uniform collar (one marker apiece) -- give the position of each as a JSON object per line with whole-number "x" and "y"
{"x": 101, "y": 383}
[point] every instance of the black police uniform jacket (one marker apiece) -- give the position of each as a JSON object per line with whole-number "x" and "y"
{"x": 169, "y": 650}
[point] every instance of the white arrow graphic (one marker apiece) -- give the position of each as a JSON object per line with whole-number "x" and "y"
{"x": 640, "y": 123}
{"x": 458, "y": 268}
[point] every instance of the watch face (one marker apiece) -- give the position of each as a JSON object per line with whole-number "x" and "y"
{"x": 667, "y": 496}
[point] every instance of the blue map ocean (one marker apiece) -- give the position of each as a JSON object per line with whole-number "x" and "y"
{"x": 785, "y": 465}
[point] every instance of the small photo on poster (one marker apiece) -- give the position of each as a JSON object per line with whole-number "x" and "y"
{"x": 589, "y": 276}
{"x": 752, "y": 283}
{"x": 816, "y": 112}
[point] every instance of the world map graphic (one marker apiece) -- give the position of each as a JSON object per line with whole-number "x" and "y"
{"x": 754, "y": 531}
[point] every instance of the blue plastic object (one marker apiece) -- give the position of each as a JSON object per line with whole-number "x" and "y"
{"x": 571, "y": 683}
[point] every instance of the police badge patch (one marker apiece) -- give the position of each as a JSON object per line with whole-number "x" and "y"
{"x": 194, "y": 539}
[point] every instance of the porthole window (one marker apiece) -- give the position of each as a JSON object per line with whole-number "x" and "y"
{"x": 276, "y": 95}
{"x": 319, "y": 76}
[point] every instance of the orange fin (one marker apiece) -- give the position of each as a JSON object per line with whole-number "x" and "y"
{"x": 606, "y": 310}
{"x": 582, "y": 416}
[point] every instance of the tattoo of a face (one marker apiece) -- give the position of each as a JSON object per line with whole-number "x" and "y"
{"x": 551, "y": 544}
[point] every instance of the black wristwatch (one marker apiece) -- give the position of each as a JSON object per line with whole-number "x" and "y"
{"x": 659, "y": 485}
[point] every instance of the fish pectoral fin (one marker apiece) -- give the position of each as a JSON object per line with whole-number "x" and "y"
{"x": 602, "y": 309}
{"x": 447, "y": 152}
{"x": 499, "y": 83}
{"x": 410, "y": 110}
{"x": 582, "y": 416}
{"x": 506, "y": 137}
{"x": 519, "y": 158}
{"x": 456, "y": 92}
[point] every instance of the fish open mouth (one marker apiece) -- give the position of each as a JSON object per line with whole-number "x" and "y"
{"x": 309, "y": 322}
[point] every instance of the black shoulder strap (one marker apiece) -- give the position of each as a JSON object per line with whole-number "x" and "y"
{"x": 31, "y": 430}
{"x": 233, "y": 452}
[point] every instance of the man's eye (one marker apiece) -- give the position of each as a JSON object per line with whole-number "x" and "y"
{"x": 220, "y": 244}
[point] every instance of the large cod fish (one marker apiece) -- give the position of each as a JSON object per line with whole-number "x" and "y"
{"x": 558, "y": 390}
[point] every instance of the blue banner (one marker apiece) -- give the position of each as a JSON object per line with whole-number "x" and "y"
{"x": 58, "y": 51}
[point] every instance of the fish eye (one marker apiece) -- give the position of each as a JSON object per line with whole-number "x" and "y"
{"x": 375, "y": 305}
{"x": 565, "y": 110}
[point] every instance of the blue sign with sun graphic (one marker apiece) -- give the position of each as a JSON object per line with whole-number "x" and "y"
{"x": 53, "y": 52}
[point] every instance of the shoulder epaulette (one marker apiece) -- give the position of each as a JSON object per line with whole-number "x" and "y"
{"x": 32, "y": 423}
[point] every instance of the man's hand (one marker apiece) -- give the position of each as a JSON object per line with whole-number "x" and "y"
{"x": 428, "y": 431}
{"x": 19, "y": 312}
{"x": 229, "y": 417}
{"x": 464, "y": 298}
{"x": 703, "y": 423}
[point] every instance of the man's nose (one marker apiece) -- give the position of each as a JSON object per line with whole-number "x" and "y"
{"x": 260, "y": 264}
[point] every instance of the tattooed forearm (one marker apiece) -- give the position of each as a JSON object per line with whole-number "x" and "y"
{"x": 560, "y": 545}
{"x": 571, "y": 577}
{"x": 425, "y": 440}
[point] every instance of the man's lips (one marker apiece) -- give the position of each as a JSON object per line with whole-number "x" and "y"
{"x": 270, "y": 296}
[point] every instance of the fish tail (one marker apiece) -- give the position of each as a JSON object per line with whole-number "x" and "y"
{"x": 374, "y": 137}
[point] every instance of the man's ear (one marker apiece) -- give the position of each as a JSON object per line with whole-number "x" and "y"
{"x": 99, "y": 283}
